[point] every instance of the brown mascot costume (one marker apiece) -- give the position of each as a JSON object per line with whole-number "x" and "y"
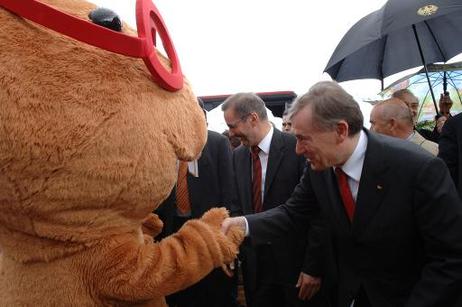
{"x": 92, "y": 122}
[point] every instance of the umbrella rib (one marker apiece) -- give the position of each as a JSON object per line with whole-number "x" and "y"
{"x": 424, "y": 66}
{"x": 451, "y": 82}
{"x": 436, "y": 41}
{"x": 382, "y": 77}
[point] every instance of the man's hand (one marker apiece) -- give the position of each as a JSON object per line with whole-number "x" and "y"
{"x": 445, "y": 104}
{"x": 226, "y": 225}
{"x": 440, "y": 123}
{"x": 233, "y": 221}
{"x": 308, "y": 285}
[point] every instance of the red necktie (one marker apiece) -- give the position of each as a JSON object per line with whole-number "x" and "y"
{"x": 182, "y": 193}
{"x": 256, "y": 180}
{"x": 345, "y": 193}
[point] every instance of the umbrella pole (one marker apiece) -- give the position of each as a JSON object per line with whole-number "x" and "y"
{"x": 425, "y": 67}
{"x": 445, "y": 82}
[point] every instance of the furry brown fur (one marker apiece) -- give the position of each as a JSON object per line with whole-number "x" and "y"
{"x": 88, "y": 145}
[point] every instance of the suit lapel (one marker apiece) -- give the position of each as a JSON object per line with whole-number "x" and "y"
{"x": 276, "y": 153}
{"x": 372, "y": 186}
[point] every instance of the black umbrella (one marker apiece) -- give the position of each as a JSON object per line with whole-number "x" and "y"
{"x": 401, "y": 35}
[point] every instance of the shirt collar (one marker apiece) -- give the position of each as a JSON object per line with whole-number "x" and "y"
{"x": 354, "y": 165}
{"x": 265, "y": 143}
{"x": 409, "y": 138}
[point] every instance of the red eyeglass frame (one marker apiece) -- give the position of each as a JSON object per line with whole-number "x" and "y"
{"x": 148, "y": 21}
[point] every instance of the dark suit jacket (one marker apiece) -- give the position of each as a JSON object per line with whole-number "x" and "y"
{"x": 404, "y": 247}
{"x": 284, "y": 170}
{"x": 450, "y": 148}
{"x": 213, "y": 188}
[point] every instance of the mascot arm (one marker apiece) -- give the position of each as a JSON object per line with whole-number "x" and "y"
{"x": 131, "y": 270}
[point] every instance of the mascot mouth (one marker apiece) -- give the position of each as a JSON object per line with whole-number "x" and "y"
{"x": 148, "y": 22}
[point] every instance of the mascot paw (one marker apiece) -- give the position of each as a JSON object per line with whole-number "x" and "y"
{"x": 229, "y": 242}
{"x": 215, "y": 216}
{"x": 152, "y": 225}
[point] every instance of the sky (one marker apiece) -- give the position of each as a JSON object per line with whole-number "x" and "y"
{"x": 226, "y": 47}
{"x": 252, "y": 45}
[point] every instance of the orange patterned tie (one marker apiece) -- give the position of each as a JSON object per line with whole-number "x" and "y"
{"x": 182, "y": 194}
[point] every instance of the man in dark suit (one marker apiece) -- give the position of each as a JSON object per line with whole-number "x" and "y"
{"x": 450, "y": 148}
{"x": 270, "y": 270}
{"x": 212, "y": 187}
{"x": 392, "y": 210}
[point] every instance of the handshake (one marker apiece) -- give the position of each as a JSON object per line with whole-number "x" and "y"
{"x": 227, "y": 224}
{"x": 238, "y": 222}
{"x": 307, "y": 285}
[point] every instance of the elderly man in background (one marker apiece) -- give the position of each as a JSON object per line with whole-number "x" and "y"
{"x": 410, "y": 100}
{"x": 444, "y": 104}
{"x": 394, "y": 118}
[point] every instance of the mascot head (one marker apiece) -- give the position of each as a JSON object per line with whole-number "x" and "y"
{"x": 92, "y": 122}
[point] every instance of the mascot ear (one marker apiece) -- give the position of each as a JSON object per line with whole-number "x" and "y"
{"x": 106, "y": 18}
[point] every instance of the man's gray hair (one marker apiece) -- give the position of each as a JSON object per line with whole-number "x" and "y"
{"x": 400, "y": 94}
{"x": 245, "y": 103}
{"x": 330, "y": 103}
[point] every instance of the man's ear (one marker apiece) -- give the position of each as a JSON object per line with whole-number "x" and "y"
{"x": 392, "y": 124}
{"x": 342, "y": 130}
{"x": 254, "y": 118}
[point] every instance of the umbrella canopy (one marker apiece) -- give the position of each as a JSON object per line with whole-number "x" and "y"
{"x": 438, "y": 75}
{"x": 384, "y": 42}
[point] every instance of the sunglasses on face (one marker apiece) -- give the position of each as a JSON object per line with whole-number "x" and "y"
{"x": 148, "y": 22}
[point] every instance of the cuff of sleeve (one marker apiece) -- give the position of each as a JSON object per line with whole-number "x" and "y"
{"x": 246, "y": 232}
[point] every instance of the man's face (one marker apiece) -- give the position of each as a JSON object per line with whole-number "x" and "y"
{"x": 240, "y": 127}
{"x": 378, "y": 124}
{"x": 318, "y": 146}
{"x": 286, "y": 124}
{"x": 412, "y": 103}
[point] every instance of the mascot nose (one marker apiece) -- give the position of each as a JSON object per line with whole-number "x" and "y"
{"x": 106, "y": 18}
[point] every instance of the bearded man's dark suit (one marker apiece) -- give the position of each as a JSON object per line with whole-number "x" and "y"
{"x": 404, "y": 246}
{"x": 213, "y": 187}
{"x": 282, "y": 259}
